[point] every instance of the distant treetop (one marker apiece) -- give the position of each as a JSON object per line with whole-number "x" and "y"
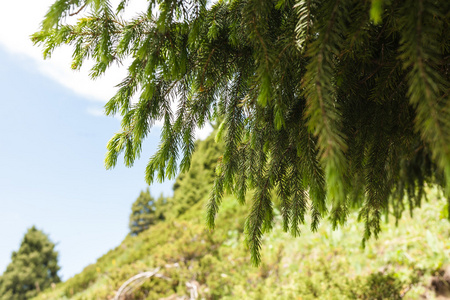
{"x": 33, "y": 268}
{"x": 144, "y": 213}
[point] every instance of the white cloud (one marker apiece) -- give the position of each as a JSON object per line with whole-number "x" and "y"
{"x": 20, "y": 19}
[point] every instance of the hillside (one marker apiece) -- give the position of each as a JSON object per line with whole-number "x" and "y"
{"x": 322, "y": 265}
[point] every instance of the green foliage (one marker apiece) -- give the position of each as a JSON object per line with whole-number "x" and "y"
{"x": 145, "y": 212}
{"x": 33, "y": 268}
{"x": 328, "y": 104}
{"x": 380, "y": 286}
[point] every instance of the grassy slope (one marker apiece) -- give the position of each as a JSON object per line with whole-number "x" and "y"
{"x": 326, "y": 264}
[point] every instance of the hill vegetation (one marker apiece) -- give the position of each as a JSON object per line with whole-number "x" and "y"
{"x": 326, "y": 264}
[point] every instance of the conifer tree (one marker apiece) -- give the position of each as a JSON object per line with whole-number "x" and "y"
{"x": 330, "y": 104}
{"x": 33, "y": 268}
{"x": 143, "y": 213}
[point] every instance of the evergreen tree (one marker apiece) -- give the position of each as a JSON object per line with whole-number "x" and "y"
{"x": 34, "y": 267}
{"x": 143, "y": 213}
{"x": 332, "y": 104}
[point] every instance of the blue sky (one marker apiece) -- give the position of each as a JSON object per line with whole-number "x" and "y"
{"x": 52, "y": 148}
{"x": 52, "y": 173}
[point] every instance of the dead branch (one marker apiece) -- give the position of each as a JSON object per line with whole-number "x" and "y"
{"x": 126, "y": 287}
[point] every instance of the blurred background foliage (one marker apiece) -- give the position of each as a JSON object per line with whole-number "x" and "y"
{"x": 326, "y": 264}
